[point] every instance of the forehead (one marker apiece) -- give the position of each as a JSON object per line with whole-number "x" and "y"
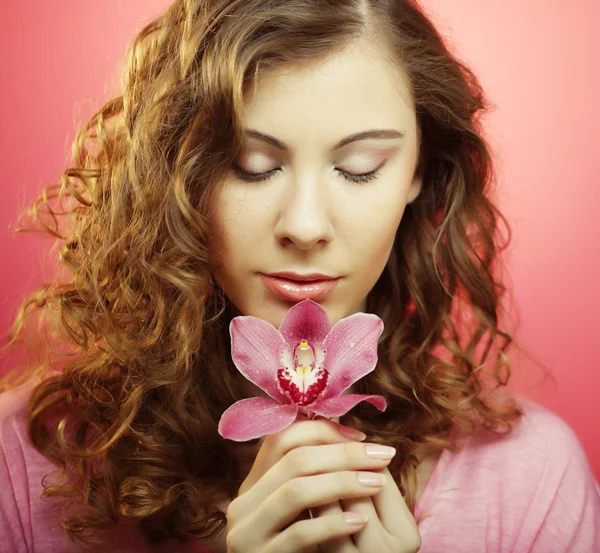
{"x": 358, "y": 87}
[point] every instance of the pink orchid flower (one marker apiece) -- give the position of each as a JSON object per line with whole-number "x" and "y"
{"x": 304, "y": 366}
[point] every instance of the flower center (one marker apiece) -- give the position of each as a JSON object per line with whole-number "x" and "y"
{"x": 304, "y": 358}
{"x": 304, "y": 383}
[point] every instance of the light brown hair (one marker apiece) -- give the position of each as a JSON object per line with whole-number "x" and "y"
{"x": 143, "y": 368}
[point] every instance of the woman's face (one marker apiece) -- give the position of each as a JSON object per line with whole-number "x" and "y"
{"x": 311, "y": 197}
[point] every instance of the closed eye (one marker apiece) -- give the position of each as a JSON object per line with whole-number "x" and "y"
{"x": 260, "y": 177}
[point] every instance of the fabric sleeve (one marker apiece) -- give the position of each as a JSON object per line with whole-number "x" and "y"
{"x": 29, "y": 524}
{"x": 15, "y": 535}
{"x": 571, "y": 518}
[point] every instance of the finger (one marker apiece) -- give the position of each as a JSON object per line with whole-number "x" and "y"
{"x": 389, "y": 519}
{"x": 392, "y": 511}
{"x": 310, "y": 533}
{"x": 282, "y": 507}
{"x": 371, "y": 537}
{"x": 300, "y": 433}
{"x": 343, "y": 544}
{"x": 305, "y": 432}
{"x": 307, "y": 461}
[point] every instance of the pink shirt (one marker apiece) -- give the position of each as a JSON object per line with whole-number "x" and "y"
{"x": 532, "y": 491}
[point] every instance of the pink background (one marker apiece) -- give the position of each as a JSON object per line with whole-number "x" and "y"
{"x": 537, "y": 60}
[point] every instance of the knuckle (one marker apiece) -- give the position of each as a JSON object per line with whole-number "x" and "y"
{"x": 232, "y": 543}
{"x": 328, "y": 431}
{"x": 286, "y": 443}
{"x": 331, "y": 524}
{"x": 413, "y": 542}
{"x": 297, "y": 458}
{"x": 290, "y": 491}
{"x": 274, "y": 443}
{"x": 353, "y": 452}
{"x": 346, "y": 480}
{"x": 298, "y": 535}
{"x": 320, "y": 430}
{"x": 232, "y": 513}
{"x": 302, "y": 432}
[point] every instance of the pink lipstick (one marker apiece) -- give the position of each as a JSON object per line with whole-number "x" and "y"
{"x": 296, "y": 287}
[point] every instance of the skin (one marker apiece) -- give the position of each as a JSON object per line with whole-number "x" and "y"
{"x": 311, "y": 463}
{"x": 307, "y": 217}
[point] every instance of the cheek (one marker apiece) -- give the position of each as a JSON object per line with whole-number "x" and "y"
{"x": 237, "y": 224}
{"x": 371, "y": 231}
{"x": 374, "y": 246}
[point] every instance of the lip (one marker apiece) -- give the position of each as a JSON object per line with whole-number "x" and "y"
{"x": 297, "y": 276}
{"x": 295, "y": 287}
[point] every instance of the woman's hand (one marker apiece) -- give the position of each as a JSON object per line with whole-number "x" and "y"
{"x": 391, "y": 527}
{"x": 308, "y": 464}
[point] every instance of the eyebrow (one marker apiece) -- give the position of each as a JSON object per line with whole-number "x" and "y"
{"x": 374, "y": 133}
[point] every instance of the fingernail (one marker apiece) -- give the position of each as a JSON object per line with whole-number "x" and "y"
{"x": 379, "y": 451}
{"x": 351, "y": 433}
{"x": 355, "y": 519}
{"x": 370, "y": 478}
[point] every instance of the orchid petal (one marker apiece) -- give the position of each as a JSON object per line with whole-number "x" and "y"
{"x": 256, "y": 350}
{"x": 339, "y": 406}
{"x": 255, "y": 417}
{"x": 306, "y": 320}
{"x": 351, "y": 351}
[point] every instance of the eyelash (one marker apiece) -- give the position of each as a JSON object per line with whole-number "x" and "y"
{"x": 260, "y": 177}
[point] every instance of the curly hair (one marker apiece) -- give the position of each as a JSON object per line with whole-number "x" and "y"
{"x": 130, "y": 394}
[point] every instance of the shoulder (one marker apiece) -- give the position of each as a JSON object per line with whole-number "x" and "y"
{"x": 530, "y": 490}
{"x": 22, "y": 515}
{"x": 13, "y": 416}
{"x": 28, "y": 523}
{"x": 539, "y": 439}
{"x": 543, "y": 429}
{"x": 21, "y": 464}
{"x": 540, "y": 448}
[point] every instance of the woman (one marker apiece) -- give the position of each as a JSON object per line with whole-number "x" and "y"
{"x": 265, "y": 152}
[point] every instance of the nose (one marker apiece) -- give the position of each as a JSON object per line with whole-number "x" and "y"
{"x": 305, "y": 218}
